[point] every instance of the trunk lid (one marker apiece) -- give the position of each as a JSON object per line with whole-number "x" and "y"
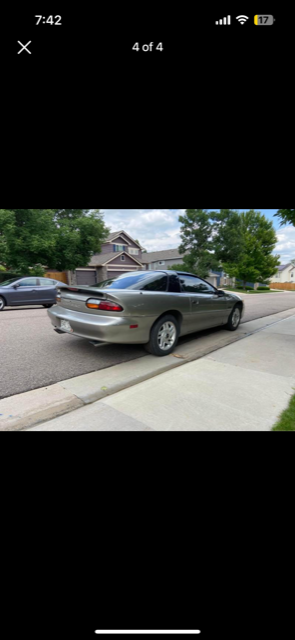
{"x": 74, "y": 298}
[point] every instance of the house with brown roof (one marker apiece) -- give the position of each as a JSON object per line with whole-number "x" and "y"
{"x": 119, "y": 254}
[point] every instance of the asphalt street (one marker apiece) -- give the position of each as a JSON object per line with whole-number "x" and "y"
{"x": 34, "y": 356}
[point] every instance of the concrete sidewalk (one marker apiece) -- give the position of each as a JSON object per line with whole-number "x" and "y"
{"x": 244, "y": 385}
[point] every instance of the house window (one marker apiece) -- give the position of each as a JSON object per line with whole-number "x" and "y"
{"x": 161, "y": 263}
{"x": 119, "y": 247}
{"x": 291, "y": 275}
{"x": 133, "y": 251}
{"x": 123, "y": 258}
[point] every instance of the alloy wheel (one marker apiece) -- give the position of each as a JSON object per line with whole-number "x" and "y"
{"x": 236, "y": 317}
{"x": 167, "y": 336}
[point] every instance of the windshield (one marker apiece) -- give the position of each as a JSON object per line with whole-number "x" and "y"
{"x": 6, "y": 282}
{"x": 129, "y": 281}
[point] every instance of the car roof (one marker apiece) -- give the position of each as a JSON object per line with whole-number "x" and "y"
{"x": 183, "y": 273}
{"x": 32, "y": 276}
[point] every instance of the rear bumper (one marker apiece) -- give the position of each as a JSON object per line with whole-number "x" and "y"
{"x": 114, "y": 329}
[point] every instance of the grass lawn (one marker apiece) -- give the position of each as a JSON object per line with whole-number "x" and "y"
{"x": 286, "y": 421}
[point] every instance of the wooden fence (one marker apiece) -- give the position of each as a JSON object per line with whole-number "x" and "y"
{"x": 289, "y": 286}
{"x": 57, "y": 275}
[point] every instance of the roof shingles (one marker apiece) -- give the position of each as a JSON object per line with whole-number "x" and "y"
{"x": 284, "y": 266}
{"x": 155, "y": 256}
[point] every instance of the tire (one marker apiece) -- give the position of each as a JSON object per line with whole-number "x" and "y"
{"x": 234, "y": 319}
{"x": 47, "y": 306}
{"x": 2, "y": 303}
{"x": 165, "y": 325}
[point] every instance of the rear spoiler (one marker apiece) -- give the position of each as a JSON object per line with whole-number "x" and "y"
{"x": 92, "y": 292}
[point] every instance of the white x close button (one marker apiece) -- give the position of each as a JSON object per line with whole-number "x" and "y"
{"x": 24, "y": 47}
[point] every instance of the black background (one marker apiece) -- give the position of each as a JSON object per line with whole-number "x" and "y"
{"x": 188, "y": 530}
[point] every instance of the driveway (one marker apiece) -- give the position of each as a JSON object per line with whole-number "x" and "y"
{"x": 34, "y": 356}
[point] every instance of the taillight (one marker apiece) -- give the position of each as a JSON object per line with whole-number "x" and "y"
{"x": 58, "y": 298}
{"x": 103, "y": 305}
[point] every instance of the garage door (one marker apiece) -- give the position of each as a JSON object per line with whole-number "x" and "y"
{"x": 85, "y": 278}
{"x": 212, "y": 280}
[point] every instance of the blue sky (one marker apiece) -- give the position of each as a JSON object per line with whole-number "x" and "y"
{"x": 269, "y": 213}
{"x": 158, "y": 229}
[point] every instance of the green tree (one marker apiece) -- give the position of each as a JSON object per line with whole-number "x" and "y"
{"x": 37, "y": 270}
{"x": 228, "y": 240}
{"x": 287, "y": 216}
{"x": 196, "y": 243}
{"x": 81, "y": 233}
{"x": 56, "y": 238}
{"x": 27, "y": 238}
{"x": 256, "y": 262}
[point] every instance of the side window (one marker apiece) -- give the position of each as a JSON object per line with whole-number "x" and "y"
{"x": 28, "y": 282}
{"x": 157, "y": 284}
{"x": 195, "y": 285}
{"x": 46, "y": 282}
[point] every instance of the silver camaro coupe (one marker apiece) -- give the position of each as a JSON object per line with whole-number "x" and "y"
{"x": 152, "y": 308}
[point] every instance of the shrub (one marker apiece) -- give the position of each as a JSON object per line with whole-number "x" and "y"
{"x": 246, "y": 288}
{"x": 8, "y": 275}
{"x": 263, "y": 288}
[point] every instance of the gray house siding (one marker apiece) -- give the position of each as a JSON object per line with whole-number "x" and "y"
{"x": 109, "y": 247}
{"x": 127, "y": 260}
{"x": 106, "y": 248}
{"x": 165, "y": 263}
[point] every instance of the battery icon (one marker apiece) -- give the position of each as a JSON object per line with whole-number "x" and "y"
{"x": 263, "y": 20}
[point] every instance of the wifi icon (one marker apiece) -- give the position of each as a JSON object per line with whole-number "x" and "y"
{"x": 242, "y": 19}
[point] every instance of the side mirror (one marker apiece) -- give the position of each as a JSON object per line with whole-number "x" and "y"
{"x": 220, "y": 293}
{"x": 16, "y": 286}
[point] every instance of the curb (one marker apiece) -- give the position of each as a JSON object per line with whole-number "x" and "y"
{"x": 31, "y": 408}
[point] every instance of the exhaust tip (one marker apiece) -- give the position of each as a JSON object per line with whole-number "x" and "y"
{"x": 96, "y": 343}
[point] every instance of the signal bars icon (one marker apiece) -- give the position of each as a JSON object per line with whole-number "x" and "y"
{"x": 225, "y": 20}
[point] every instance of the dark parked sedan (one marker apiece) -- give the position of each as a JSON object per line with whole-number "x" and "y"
{"x": 152, "y": 308}
{"x": 26, "y": 291}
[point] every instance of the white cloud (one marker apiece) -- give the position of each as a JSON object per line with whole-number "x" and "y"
{"x": 155, "y": 229}
{"x": 286, "y": 244}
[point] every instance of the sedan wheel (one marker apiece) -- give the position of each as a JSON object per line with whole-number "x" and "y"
{"x": 234, "y": 319}
{"x": 2, "y": 304}
{"x": 164, "y": 336}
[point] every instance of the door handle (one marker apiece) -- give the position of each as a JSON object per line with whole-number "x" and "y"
{"x": 196, "y": 302}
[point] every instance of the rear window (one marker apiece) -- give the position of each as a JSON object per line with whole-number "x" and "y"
{"x": 139, "y": 281}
